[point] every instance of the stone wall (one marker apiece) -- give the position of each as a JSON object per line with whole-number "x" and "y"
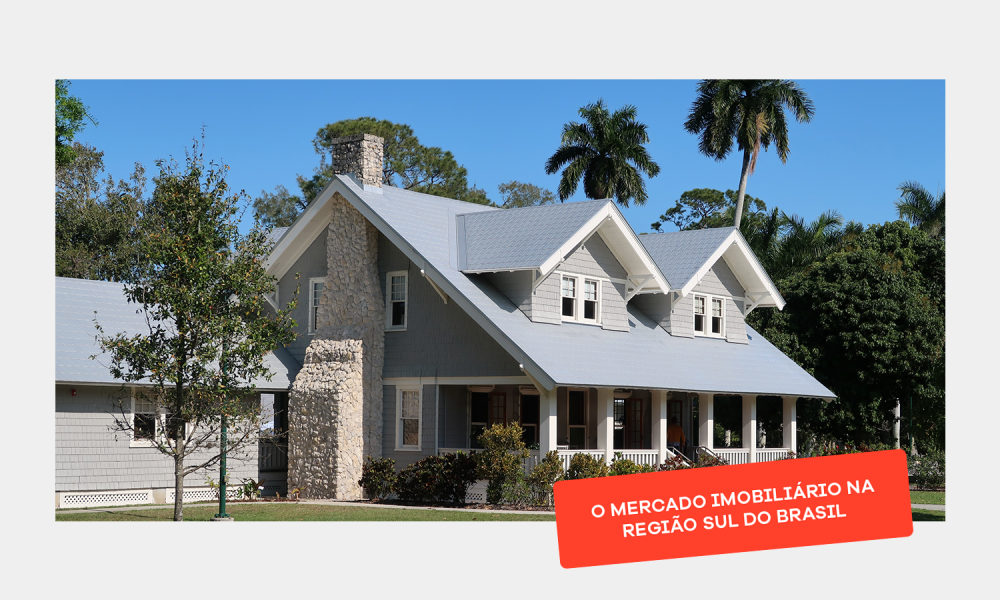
{"x": 335, "y": 409}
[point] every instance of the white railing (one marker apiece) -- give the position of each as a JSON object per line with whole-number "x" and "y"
{"x": 769, "y": 454}
{"x": 734, "y": 456}
{"x": 641, "y": 457}
{"x": 567, "y": 455}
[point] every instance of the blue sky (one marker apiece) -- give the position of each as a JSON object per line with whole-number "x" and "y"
{"x": 866, "y": 138}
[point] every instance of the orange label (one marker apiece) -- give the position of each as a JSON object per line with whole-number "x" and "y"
{"x": 739, "y": 508}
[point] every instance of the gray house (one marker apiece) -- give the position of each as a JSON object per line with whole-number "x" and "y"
{"x": 424, "y": 320}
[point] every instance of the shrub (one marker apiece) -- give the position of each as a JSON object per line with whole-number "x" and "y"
{"x": 927, "y": 470}
{"x": 420, "y": 481}
{"x": 544, "y": 475}
{"x": 707, "y": 460}
{"x": 585, "y": 466}
{"x": 378, "y": 477}
{"x": 460, "y": 474}
{"x": 516, "y": 491}
{"x": 625, "y": 466}
{"x": 674, "y": 463}
{"x": 501, "y": 458}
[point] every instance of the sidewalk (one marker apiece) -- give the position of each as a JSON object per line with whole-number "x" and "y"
{"x": 321, "y": 502}
{"x": 939, "y": 507}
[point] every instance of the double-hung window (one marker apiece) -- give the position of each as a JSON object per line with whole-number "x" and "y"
{"x": 143, "y": 421}
{"x": 315, "y": 293}
{"x": 580, "y": 298}
{"x": 709, "y": 316}
{"x": 408, "y": 429}
{"x": 395, "y": 300}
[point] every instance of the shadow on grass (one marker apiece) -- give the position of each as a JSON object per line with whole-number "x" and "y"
{"x": 927, "y": 515}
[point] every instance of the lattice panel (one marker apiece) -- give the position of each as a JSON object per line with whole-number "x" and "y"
{"x": 88, "y": 499}
{"x": 200, "y": 495}
{"x": 477, "y": 493}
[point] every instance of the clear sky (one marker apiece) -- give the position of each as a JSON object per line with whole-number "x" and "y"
{"x": 866, "y": 137}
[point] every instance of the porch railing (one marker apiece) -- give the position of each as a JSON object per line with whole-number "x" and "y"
{"x": 640, "y": 457}
{"x": 769, "y": 454}
{"x": 741, "y": 456}
{"x": 272, "y": 456}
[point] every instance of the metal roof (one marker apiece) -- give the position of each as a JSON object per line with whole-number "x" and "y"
{"x": 81, "y": 302}
{"x": 570, "y": 354}
{"x": 530, "y": 235}
{"x": 680, "y": 254}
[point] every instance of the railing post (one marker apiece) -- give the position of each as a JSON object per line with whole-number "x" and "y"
{"x": 788, "y": 423}
{"x": 706, "y": 420}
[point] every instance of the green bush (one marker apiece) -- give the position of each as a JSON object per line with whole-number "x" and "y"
{"x": 378, "y": 477}
{"x": 674, "y": 463}
{"x": 501, "y": 458}
{"x": 544, "y": 475}
{"x": 625, "y": 466}
{"x": 707, "y": 460}
{"x": 460, "y": 473}
{"x": 437, "y": 479}
{"x": 927, "y": 470}
{"x": 515, "y": 490}
{"x": 585, "y": 466}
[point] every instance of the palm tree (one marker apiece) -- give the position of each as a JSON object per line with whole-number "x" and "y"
{"x": 802, "y": 244}
{"x": 607, "y": 152}
{"x": 920, "y": 209}
{"x": 749, "y": 111}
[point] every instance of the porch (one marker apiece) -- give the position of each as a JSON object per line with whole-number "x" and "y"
{"x": 645, "y": 426}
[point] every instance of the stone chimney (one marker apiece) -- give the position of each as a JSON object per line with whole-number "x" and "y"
{"x": 335, "y": 408}
{"x": 359, "y": 155}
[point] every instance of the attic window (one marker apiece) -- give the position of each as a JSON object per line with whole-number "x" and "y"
{"x": 569, "y": 297}
{"x": 395, "y": 300}
{"x": 711, "y": 324}
{"x": 589, "y": 300}
{"x": 315, "y": 293}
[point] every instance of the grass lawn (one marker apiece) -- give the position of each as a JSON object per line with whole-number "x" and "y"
{"x": 927, "y": 497}
{"x": 299, "y": 512}
{"x": 927, "y": 515}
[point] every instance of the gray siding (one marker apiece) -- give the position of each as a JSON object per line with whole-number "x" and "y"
{"x": 654, "y": 306}
{"x": 404, "y": 458}
{"x": 545, "y": 307}
{"x": 312, "y": 263}
{"x": 613, "y": 314}
{"x": 440, "y": 339}
{"x": 736, "y": 330}
{"x": 721, "y": 281}
{"x": 516, "y": 286}
{"x": 90, "y": 456}
{"x": 453, "y": 417}
{"x": 682, "y": 317}
{"x": 594, "y": 258}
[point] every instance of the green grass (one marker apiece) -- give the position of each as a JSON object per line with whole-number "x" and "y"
{"x": 927, "y": 515}
{"x": 927, "y": 497}
{"x": 299, "y": 512}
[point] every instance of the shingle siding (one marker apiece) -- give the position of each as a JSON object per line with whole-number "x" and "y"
{"x": 312, "y": 263}
{"x": 736, "y": 330}
{"x": 721, "y": 281}
{"x": 594, "y": 258}
{"x": 545, "y": 306}
{"x": 440, "y": 339}
{"x": 91, "y": 456}
{"x": 613, "y": 315}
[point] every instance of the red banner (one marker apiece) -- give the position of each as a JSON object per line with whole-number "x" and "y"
{"x": 739, "y": 508}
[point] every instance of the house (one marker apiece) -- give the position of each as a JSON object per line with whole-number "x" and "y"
{"x": 95, "y": 466}
{"x": 424, "y": 320}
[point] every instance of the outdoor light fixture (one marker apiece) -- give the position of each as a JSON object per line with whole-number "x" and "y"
{"x": 72, "y": 392}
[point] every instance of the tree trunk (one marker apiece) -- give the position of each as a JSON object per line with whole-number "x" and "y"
{"x": 743, "y": 188}
{"x": 179, "y": 480}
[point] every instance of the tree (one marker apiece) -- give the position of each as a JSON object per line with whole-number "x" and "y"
{"x": 406, "y": 163}
{"x": 922, "y": 210}
{"x": 200, "y": 285}
{"x": 278, "y": 209}
{"x": 705, "y": 208}
{"x": 517, "y": 195}
{"x": 749, "y": 111}
{"x": 70, "y": 115}
{"x": 868, "y": 322}
{"x": 607, "y": 151}
{"x": 99, "y": 224}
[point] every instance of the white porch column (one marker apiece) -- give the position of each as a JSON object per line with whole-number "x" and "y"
{"x": 788, "y": 423}
{"x": 606, "y": 422}
{"x": 660, "y": 424}
{"x": 547, "y": 415}
{"x": 750, "y": 425}
{"x": 706, "y": 420}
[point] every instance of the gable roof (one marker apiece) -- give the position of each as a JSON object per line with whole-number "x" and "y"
{"x": 80, "y": 301}
{"x": 422, "y": 227}
{"x": 686, "y": 256}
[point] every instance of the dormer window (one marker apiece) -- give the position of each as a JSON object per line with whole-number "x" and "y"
{"x": 395, "y": 301}
{"x": 709, "y": 316}
{"x": 581, "y": 304}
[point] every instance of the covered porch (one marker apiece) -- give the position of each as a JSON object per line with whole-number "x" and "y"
{"x": 603, "y": 422}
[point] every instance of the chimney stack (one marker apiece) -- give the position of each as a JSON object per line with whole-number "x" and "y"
{"x": 359, "y": 155}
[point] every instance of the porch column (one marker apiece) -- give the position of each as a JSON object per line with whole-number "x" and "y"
{"x": 750, "y": 425}
{"x": 788, "y": 423}
{"x": 706, "y": 420}
{"x": 606, "y": 422}
{"x": 547, "y": 415}
{"x": 660, "y": 424}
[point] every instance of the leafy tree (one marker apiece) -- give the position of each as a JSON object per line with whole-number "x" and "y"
{"x": 801, "y": 244}
{"x": 749, "y": 111}
{"x": 517, "y": 195}
{"x": 406, "y": 163}
{"x": 200, "y": 285}
{"x": 705, "y": 208}
{"x": 278, "y": 209}
{"x": 607, "y": 151}
{"x": 921, "y": 209}
{"x": 868, "y": 322}
{"x": 501, "y": 458}
{"x": 70, "y": 115}
{"x": 99, "y": 223}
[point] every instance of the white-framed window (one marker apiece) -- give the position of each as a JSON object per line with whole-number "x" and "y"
{"x": 409, "y": 407}
{"x": 581, "y": 299}
{"x": 315, "y": 293}
{"x": 395, "y": 300}
{"x": 148, "y": 423}
{"x": 709, "y": 315}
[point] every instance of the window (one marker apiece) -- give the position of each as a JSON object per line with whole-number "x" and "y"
{"x": 395, "y": 300}
{"x": 409, "y": 408}
{"x": 709, "y": 316}
{"x": 498, "y": 408}
{"x": 581, "y": 305}
{"x": 568, "y": 298}
{"x": 577, "y": 419}
{"x": 315, "y": 292}
{"x": 529, "y": 417}
{"x": 478, "y": 417}
{"x": 143, "y": 421}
